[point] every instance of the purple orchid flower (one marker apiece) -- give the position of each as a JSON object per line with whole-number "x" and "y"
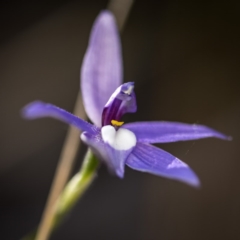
{"x": 106, "y": 101}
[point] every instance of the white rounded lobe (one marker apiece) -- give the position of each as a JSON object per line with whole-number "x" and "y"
{"x": 122, "y": 139}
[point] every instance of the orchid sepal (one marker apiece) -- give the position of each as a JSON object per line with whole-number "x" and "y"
{"x": 101, "y": 71}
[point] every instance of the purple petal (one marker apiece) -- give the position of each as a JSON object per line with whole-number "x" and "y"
{"x": 101, "y": 71}
{"x": 114, "y": 159}
{"x": 147, "y": 158}
{"x": 163, "y": 132}
{"x": 122, "y": 101}
{"x": 40, "y": 109}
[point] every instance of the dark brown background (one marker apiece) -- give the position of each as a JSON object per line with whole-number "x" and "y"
{"x": 184, "y": 58}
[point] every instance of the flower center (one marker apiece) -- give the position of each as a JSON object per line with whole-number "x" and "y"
{"x": 122, "y": 139}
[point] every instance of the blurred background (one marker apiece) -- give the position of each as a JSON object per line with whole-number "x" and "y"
{"x": 184, "y": 58}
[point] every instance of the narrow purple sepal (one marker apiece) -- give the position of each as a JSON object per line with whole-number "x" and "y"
{"x": 40, "y": 109}
{"x": 147, "y": 158}
{"x": 114, "y": 159}
{"x": 163, "y": 132}
{"x": 101, "y": 71}
{"x": 122, "y": 101}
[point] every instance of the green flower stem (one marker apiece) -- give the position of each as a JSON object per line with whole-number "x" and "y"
{"x": 73, "y": 191}
{"x": 76, "y": 187}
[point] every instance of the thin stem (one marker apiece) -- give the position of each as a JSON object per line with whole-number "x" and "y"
{"x": 73, "y": 191}
{"x": 76, "y": 187}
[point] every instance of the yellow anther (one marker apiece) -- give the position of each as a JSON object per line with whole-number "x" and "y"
{"x": 116, "y": 123}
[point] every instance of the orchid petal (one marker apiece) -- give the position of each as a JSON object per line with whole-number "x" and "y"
{"x": 40, "y": 109}
{"x": 147, "y": 158}
{"x": 114, "y": 159}
{"x": 101, "y": 71}
{"x": 163, "y": 132}
{"x": 122, "y": 101}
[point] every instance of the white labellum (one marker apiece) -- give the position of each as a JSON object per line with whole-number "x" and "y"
{"x": 122, "y": 139}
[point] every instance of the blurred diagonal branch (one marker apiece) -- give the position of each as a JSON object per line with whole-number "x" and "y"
{"x": 72, "y": 192}
{"x": 120, "y": 8}
{"x": 66, "y": 161}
